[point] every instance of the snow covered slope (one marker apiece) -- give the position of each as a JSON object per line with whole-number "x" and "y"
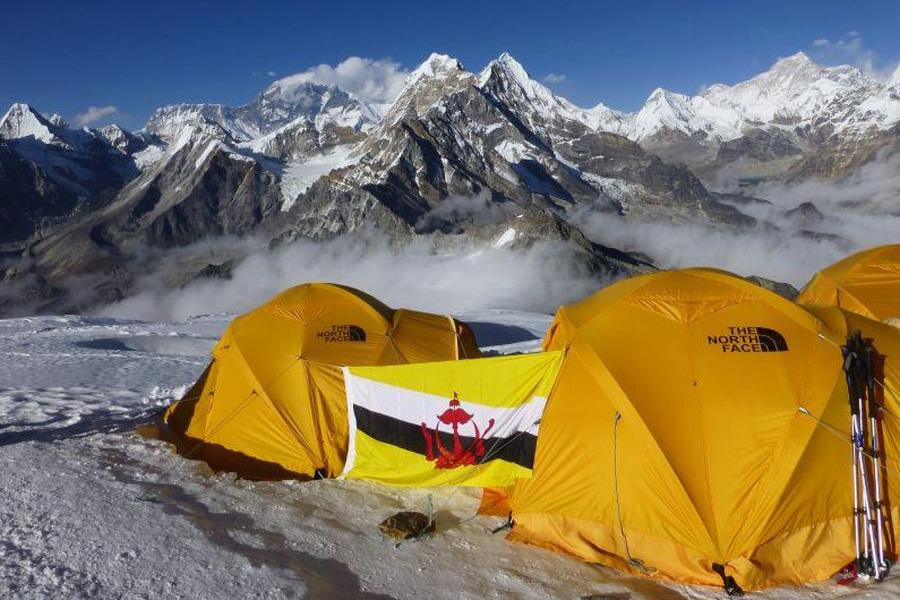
{"x": 91, "y": 509}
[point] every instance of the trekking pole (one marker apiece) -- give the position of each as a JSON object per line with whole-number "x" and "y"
{"x": 848, "y": 359}
{"x": 857, "y": 371}
{"x": 871, "y": 566}
{"x": 869, "y": 364}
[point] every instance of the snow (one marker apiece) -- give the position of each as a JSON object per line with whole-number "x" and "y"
{"x": 210, "y": 148}
{"x": 538, "y": 95}
{"x": 492, "y": 127}
{"x": 22, "y": 121}
{"x": 169, "y": 122}
{"x": 668, "y": 110}
{"x": 794, "y": 90}
{"x": 506, "y": 237}
{"x": 603, "y": 118}
{"x": 240, "y": 157}
{"x": 435, "y": 66}
{"x": 617, "y": 189}
{"x": 91, "y": 508}
{"x": 513, "y": 152}
{"x": 298, "y": 176}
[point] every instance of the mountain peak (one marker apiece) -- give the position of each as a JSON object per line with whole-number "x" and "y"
{"x": 795, "y": 62}
{"x": 435, "y": 66}
{"x": 437, "y": 76}
{"x": 668, "y": 97}
{"x": 509, "y": 65}
{"x": 657, "y": 95}
{"x": 507, "y": 59}
{"x": 796, "y": 57}
{"x": 22, "y": 121}
{"x": 291, "y": 88}
{"x": 57, "y": 120}
{"x": 18, "y": 110}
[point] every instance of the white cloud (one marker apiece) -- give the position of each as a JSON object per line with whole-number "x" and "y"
{"x": 858, "y": 211}
{"x": 375, "y": 80}
{"x": 850, "y": 48}
{"x": 422, "y": 276}
{"x": 94, "y": 114}
{"x": 271, "y": 73}
{"x": 555, "y": 77}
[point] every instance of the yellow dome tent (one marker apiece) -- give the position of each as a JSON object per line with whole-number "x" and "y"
{"x": 700, "y": 422}
{"x": 867, "y": 283}
{"x": 271, "y": 404}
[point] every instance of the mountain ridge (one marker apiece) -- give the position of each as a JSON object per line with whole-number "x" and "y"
{"x": 309, "y": 161}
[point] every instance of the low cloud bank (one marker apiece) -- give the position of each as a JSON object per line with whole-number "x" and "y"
{"x": 416, "y": 276}
{"x": 788, "y": 245}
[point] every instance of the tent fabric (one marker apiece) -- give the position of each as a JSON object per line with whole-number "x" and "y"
{"x": 867, "y": 283}
{"x": 271, "y": 403}
{"x": 674, "y": 438}
{"x": 459, "y": 423}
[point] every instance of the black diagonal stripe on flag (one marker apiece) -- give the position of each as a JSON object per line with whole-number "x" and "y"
{"x": 518, "y": 448}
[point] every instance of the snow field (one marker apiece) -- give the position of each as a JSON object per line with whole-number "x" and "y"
{"x": 91, "y": 509}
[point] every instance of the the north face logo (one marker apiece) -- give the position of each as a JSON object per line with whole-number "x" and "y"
{"x": 343, "y": 333}
{"x": 749, "y": 339}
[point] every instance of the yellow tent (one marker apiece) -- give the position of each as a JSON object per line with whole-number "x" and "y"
{"x": 699, "y": 420}
{"x": 271, "y": 404}
{"x": 867, "y": 283}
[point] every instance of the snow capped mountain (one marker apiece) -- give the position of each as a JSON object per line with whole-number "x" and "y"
{"x": 50, "y": 172}
{"x": 124, "y": 141}
{"x": 306, "y": 160}
{"x": 692, "y": 116}
{"x": 795, "y": 93}
{"x": 604, "y": 118}
{"x": 21, "y": 121}
{"x": 437, "y": 76}
{"x": 438, "y": 67}
{"x": 82, "y": 160}
{"x": 279, "y": 105}
{"x": 508, "y": 81}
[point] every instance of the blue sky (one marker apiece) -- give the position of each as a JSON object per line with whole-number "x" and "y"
{"x": 132, "y": 57}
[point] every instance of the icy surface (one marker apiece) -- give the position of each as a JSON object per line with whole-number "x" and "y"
{"x": 507, "y": 237}
{"x": 299, "y": 175}
{"x": 90, "y": 508}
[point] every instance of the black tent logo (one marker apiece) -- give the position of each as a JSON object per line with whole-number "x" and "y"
{"x": 749, "y": 339}
{"x": 342, "y": 333}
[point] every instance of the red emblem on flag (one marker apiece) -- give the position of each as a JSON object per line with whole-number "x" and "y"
{"x": 454, "y": 416}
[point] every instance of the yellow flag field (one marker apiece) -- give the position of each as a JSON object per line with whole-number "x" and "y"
{"x": 463, "y": 423}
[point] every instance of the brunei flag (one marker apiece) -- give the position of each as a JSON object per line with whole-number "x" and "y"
{"x": 467, "y": 423}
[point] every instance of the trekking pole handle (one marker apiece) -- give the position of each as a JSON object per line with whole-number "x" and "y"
{"x": 849, "y": 368}
{"x": 870, "y": 378}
